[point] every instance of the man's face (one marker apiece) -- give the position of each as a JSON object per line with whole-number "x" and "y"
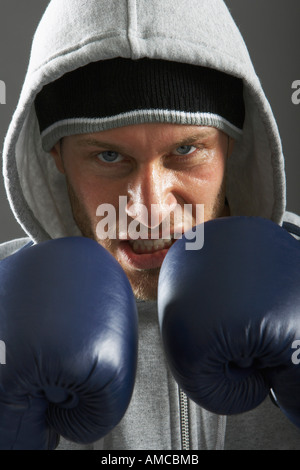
{"x": 154, "y": 166}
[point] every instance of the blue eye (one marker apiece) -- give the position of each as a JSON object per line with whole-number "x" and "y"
{"x": 109, "y": 156}
{"x": 185, "y": 150}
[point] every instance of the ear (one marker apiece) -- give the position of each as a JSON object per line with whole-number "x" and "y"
{"x": 56, "y": 153}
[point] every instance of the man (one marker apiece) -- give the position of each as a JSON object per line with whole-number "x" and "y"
{"x": 156, "y": 102}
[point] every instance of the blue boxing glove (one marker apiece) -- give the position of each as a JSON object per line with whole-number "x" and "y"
{"x": 229, "y": 314}
{"x": 68, "y": 320}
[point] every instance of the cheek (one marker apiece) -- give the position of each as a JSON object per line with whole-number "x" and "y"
{"x": 89, "y": 195}
{"x": 89, "y": 192}
{"x": 215, "y": 178}
{"x": 204, "y": 183}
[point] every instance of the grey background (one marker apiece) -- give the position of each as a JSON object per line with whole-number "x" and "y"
{"x": 271, "y": 32}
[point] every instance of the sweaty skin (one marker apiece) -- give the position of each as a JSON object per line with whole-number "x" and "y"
{"x": 156, "y": 163}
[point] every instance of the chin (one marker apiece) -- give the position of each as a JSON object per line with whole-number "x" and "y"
{"x": 144, "y": 284}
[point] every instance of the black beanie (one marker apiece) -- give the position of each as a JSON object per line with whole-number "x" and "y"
{"x": 119, "y": 92}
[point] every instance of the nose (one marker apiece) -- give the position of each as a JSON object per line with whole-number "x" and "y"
{"x": 150, "y": 196}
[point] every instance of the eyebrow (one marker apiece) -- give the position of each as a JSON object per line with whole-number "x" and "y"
{"x": 89, "y": 141}
{"x": 192, "y": 138}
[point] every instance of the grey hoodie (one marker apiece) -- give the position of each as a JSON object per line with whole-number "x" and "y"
{"x": 73, "y": 33}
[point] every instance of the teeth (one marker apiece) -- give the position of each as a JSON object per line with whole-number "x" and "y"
{"x": 148, "y": 246}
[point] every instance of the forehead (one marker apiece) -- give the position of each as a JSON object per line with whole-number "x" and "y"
{"x": 150, "y": 133}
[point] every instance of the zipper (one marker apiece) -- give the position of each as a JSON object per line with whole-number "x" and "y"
{"x": 184, "y": 420}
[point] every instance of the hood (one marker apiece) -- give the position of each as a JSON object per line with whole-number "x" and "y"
{"x": 73, "y": 33}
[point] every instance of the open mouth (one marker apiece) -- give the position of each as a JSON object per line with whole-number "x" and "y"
{"x": 150, "y": 246}
{"x": 144, "y": 254}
